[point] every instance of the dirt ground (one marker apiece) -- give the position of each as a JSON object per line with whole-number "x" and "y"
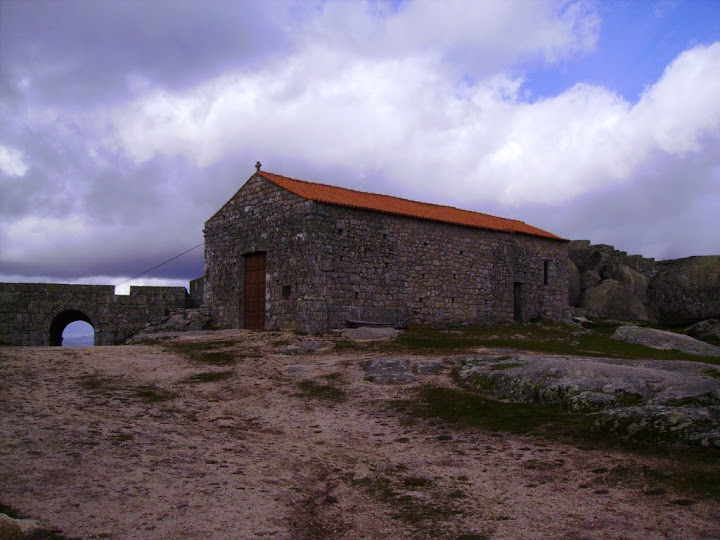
{"x": 142, "y": 442}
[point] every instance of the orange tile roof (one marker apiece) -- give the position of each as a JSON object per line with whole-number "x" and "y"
{"x": 402, "y": 207}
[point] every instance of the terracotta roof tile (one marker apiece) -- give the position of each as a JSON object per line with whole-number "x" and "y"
{"x": 402, "y": 207}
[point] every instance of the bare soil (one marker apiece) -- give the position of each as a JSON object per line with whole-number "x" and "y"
{"x": 154, "y": 442}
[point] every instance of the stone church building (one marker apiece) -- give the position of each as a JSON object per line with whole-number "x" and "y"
{"x": 293, "y": 255}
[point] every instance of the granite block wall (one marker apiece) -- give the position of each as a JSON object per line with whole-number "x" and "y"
{"x": 36, "y": 313}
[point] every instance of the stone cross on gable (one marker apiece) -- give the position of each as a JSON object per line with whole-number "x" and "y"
{"x": 257, "y": 166}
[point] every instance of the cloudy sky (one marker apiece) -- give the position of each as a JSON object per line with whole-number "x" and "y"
{"x": 124, "y": 125}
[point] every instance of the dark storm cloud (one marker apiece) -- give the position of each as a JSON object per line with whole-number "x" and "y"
{"x": 77, "y": 52}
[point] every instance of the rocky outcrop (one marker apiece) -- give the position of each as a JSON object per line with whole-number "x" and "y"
{"x": 180, "y": 320}
{"x": 709, "y": 329}
{"x": 610, "y": 299}
{"x": 685, "y": 291}
{"x": 661, "y": 339}
{"x": 645, "y": 400}
{"x": 614, "y": 285}
{"x": 397, "y": 370}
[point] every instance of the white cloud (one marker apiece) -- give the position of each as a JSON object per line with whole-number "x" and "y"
{"x": 405, "y": 117}
{"x": 475, "y": 36}
{"x": 684, "y": 104}
{"x": 12, "y": 162}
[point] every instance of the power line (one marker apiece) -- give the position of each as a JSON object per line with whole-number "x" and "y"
{"x": 161, "y": 264}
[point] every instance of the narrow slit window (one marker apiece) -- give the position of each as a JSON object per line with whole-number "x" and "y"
{"x": 286, "y": 292}
{"x": 546, "y": 272}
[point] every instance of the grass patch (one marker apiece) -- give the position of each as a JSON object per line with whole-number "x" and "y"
{"x": 397, "y": 492}
{"x": 504, "y": 366}
{"x": 685, "y": 469}
{"x": 96, "y": 382}
{"x": 325, "y": 392}
{"x": 415, "y": 481}
{"x": 208, "y": 377}
{"x": 213, "y": 353}
{"x": 153, "y": 394}
{"x": 11, "y": 511}
{"x": 467, "y": 408}
{"x": 549, "y": 338}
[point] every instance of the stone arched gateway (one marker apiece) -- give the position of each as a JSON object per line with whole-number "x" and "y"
{"x": 37, "y": 313}
{"x": 60, "y": 322}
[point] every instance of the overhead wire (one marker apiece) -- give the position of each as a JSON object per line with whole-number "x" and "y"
{"x": 161, "y": 264}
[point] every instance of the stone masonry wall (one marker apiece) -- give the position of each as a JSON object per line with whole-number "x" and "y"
{"x": 261, "y": 217}
{"x": 326, "y": 264}
{"x": 29, "y": 310}
{"x": 385, "y": 268}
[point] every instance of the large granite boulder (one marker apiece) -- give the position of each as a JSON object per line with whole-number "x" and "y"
{"x": 708, "y": 329}
{"x": 573, "y": 284}
{"x": 580, "y": 251}
{"x": 610, "y": 299}
{"x": 662, "y": 339}
{"x": 633, "y": 280}
{"x": 685, "y": 291}
{"x": 589, "y": 278}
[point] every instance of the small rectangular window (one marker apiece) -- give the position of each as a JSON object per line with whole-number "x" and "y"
{"x": 546, "y": 272}
{"x": 286, "y": 291}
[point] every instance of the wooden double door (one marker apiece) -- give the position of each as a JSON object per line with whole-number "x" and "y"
{"x": 254, "y": 293}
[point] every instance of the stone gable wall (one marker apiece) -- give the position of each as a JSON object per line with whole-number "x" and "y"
{"x": 342, "y": 263}
{"x": 261, "y": 217}
{"x": 27, "y": 310}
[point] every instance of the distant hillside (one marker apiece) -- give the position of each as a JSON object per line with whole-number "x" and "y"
{"x": 78, "y": 341}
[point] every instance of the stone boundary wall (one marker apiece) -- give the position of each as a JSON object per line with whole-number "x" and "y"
{"x": 32, "y": 313}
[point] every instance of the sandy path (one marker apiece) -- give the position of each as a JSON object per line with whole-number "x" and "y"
{"x": 113, "y": 442}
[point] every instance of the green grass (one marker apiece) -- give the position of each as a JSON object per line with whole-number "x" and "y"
{"x": 504, "y": 366}
{"x": 548, "y": 338}
{"x": 325, "y": 392}
{"x": 153, "y": 394}
{"x": 466, "y": 408}
{"x": 11, "y": 511}
{"x": 208, "y": 377}
{"x": 214, "y": 353}
{"x": 392, "y": 490}
{"x": 113, "y": 387}
{"x": 96, "y": 383}
{"x": 685, "y": 469}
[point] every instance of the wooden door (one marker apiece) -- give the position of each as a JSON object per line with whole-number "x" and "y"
{"x": 254, "y": 309}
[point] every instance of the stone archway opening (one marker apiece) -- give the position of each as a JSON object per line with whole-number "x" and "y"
{"x": 61, "y": 321}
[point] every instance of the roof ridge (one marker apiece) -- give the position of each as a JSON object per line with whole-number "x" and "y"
{"x": 391, "y": 204}
{"x": 391, "y": 196}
